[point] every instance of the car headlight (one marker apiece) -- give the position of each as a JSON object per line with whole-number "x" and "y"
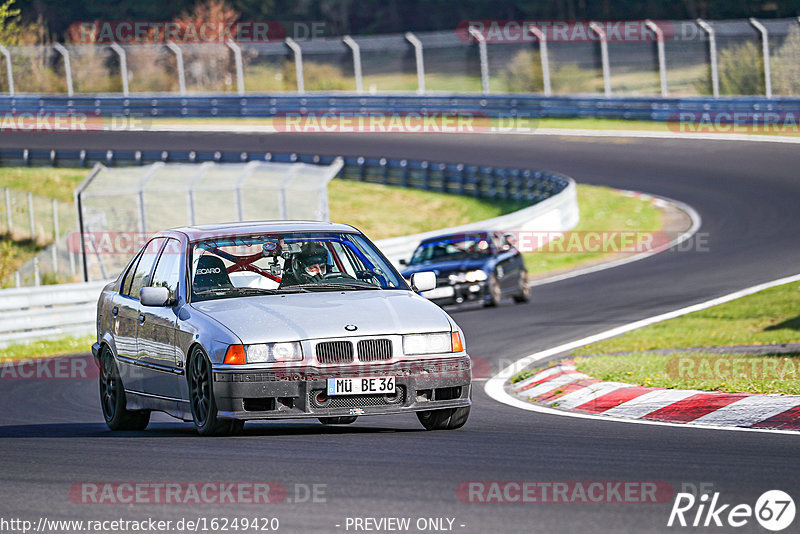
{"x": 456, "y": 278}
{"x": 432, "y": 343}
{"x": 476, "y": 276}
{"x": 273, "y": 352}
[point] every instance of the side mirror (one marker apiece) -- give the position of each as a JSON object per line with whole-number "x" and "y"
{"x": 403, "y": 262}
{"x": 154, "y": 296}
{"x": 424, "y": 281}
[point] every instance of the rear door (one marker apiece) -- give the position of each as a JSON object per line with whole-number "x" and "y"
{"x": 124, "y": 317}
{"x": 156, "y": 335}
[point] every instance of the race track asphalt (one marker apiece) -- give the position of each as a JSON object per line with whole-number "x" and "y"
{"x": 52, "y": 435}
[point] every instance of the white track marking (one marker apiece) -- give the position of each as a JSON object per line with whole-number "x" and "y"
{"x": 645, "y": 134}
{"x": 587, "y": 394}
{"x": 555, "y": 383}
{"x": 695, "y": 226}
{"x": 544, "y": 374}
{"x": 570, "y": 132}
{"x": 650, "y": 402}
{"x": 495, "y": 386}
{"x": 750, "y": 410}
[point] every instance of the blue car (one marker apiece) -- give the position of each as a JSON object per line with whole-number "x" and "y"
{"x": 482, "y": 266}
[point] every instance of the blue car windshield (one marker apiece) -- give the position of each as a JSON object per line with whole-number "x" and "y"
{"x": 452, "y": 248}
{"x": 288, "y": 262}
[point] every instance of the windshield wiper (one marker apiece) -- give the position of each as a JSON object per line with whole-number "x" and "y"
{"x": 339, "y": 285}
{"x": 247, "y": 291}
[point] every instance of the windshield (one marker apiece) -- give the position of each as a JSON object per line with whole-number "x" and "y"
{"x": 452, "y": 248}
{"x": 266, "y": 264}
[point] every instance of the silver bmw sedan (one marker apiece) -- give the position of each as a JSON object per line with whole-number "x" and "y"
{"x": 225, "y": 323}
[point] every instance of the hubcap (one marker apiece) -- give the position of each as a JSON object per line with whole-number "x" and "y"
{"x": 200, "y": 389}
{"x": 108, "y": 387}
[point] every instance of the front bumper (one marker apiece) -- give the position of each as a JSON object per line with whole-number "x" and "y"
{"x": 295, "y": 392}
{"x": 463, "y": 292}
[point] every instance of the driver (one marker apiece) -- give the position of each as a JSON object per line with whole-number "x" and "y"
{"x": 309, "y": 265}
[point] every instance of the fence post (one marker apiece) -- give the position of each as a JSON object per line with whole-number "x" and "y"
{"x": 349, "y": 41}
{"x": 55, "y": 236}
{"x": 30, "y": 216}
{"x": 545, "y": 59}
{"x": 140, "y": 196}
{"x": 603, "y": 57}
{"x": 298, "y": 63}
{"x": 478, "y": 36}
{"x": 8, "y": 209}
{"x": 67, "y": 68}
{"x": 123, "y": 66}
{"x": 179, "y": 58}
{"x": 417, "y": 44}
{"x": 662, "y": 59}
{"x": 237, "y": 59}
{"x": 765, "y": 52}
{"x": 37, "y": 277}
{"x": 712, "y": 53}
{"x": 9, "y": 70}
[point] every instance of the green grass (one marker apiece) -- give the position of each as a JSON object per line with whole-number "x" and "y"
{"x": 767, "y": 317}
{"x": 770, "y": 373}
{"x": 52, "y": 182}
{"x": 46, "y": 349}
{"x": 383, "y": 211}
{"x": 601, "y": 209}
{"x": 13, "y": 254}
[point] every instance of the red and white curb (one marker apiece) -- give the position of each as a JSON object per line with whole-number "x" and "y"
{"x": 565, "y": 388}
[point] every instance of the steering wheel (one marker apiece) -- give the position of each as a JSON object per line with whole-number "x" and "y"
{"x": 331, "y": 276}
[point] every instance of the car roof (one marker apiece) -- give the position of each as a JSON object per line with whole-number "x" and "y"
{"x": 473, "y": 233}
{"x": 206, "y": 231}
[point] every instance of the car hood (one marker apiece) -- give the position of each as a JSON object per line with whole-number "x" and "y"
{"x": 446, "y": 267}
{"x": 293, "y": 317}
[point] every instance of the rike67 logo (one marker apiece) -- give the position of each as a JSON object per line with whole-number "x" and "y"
{"x": 774, "y": 510}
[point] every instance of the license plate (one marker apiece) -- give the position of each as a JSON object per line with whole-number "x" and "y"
{"x": 439, "y": 292}
{"x": 361, "y": 386}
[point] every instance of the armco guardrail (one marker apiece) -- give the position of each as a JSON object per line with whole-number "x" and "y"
{"x": 555, "y": 214}
{"x": 47, "y": 312}
{"x": 724, "y": 109}
{"x": 456, "y": 178}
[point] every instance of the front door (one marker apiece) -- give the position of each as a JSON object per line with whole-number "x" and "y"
{"x": 156, "y": 338}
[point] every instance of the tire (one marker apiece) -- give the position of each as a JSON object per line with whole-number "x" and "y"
{"x": 444, "y": 419}
{"x": 524, "y": 293}
{"x": 202, "y": 401}
{"x": 112, "y": 398}
{"x": 343, "y": 420}
{"x": 494, "y": 292}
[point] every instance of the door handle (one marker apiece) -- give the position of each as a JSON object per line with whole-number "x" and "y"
{"x": 141, "y": 319}
{"x": 115, "y": 311}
